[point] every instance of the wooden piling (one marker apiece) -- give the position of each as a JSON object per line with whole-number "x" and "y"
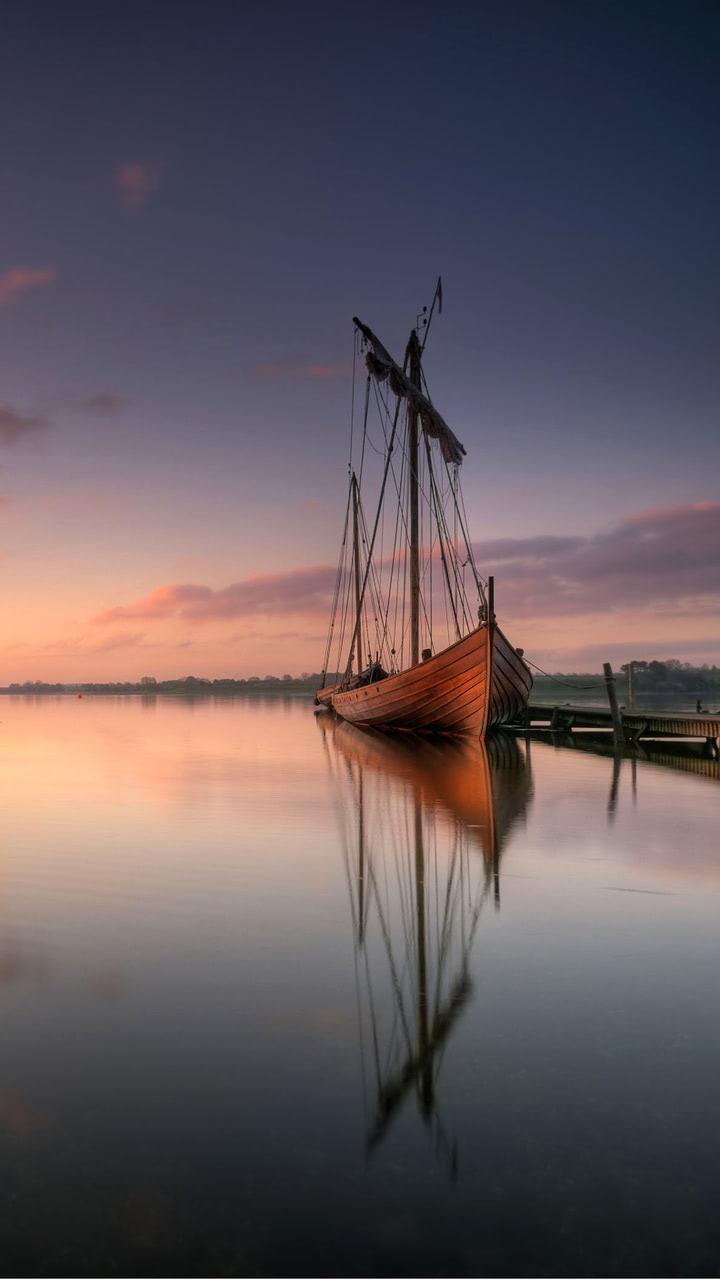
{"x": 614, "y": 709}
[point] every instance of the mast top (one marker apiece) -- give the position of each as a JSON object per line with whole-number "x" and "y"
{"x": 382, "y": 367}
{"x": 427, "y": 321}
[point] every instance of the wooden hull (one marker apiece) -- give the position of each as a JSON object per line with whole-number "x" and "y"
{"x": 473, "y": 686}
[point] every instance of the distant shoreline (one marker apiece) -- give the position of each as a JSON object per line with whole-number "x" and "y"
{"x": 651, "y": 679}
{"x": 253, "y": 691}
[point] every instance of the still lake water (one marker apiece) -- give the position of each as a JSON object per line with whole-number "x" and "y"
{"x": 279, "y": 997}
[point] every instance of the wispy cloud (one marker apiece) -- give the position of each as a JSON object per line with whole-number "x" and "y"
{"x": 118, "y": 640}
{"x": 668, "y": 558}
{"x": 254, "y": 634}
{"x": 18, "y": 280}
{"x": 300, "y": 590}
{"x": 291, "y": 368}
{"x": 14, "y": 425}
{"x": 135, "y": 181}
{"x": 660, "y": 566}
{"x": 83, "y": 644}
{"x": 102, "y": 402}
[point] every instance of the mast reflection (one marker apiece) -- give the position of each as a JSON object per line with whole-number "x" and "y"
{"x": 423, "y": 825}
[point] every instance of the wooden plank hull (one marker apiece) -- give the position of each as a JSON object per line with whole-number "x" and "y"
{"x": 473, "y": 686}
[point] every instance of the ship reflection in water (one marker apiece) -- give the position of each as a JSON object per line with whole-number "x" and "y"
{"x": 423, "y": 826}
{"x": 284, "y": 997}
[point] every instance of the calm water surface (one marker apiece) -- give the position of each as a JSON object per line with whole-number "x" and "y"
{"x": 279, "y": 997}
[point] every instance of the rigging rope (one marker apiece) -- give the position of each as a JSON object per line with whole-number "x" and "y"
{"x": 384, "y": 585}
{"x": 365, "y": 430}
{"x": 352, "y": 400}
{"x": 439, "y": 513}
{"x": 597, "y": 684}
{"x": 371, "y": 548}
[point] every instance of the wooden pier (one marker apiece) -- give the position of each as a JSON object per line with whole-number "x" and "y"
{"x": 564, "y": 717}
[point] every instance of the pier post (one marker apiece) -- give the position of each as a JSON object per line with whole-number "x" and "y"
{"x": 614, "y": 709}
{"x": 631, "y": 685}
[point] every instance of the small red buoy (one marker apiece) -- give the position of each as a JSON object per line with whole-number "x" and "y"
{"x": 79, "y": 695}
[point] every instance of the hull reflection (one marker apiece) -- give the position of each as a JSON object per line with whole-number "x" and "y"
{"x": 424, "y": 823}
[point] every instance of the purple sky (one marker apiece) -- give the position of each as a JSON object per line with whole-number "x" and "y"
{"x": 196, "y": 199}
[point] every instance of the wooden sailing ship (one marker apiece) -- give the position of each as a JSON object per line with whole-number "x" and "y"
{"x": 424, "y": 823}
{"x": 417, "y": 642}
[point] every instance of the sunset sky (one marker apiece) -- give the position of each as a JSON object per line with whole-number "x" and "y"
{"x": 195, "y": 201}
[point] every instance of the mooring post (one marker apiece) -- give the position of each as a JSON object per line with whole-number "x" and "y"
{"x": 631, "y": 685}
{"x": 614, "y": 709}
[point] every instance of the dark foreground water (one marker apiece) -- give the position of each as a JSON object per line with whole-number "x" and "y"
{"x": 282, "y": 998}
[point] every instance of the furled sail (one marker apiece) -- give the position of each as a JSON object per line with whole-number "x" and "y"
{"x": 382, "y": 367}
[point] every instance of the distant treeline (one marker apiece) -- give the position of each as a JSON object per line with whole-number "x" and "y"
{"x": 671, "y": 676}
{"x": 307, "y": 682}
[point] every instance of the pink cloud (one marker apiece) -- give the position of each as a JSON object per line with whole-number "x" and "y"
{"x": 661, "y": 564}
{"x": 324, "y": 371}
{"x": 13, "y": 425}
{"x": 163, "y": 602}
{"x": 18, "y": 280}
{"x": 657, "y": 516}
{"x": 300, "y": 590}
{"x": 134, "y": 183}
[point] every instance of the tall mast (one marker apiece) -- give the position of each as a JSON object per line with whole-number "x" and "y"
{"x": 358, "y": 585}
{"x": 413, "y": 357}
